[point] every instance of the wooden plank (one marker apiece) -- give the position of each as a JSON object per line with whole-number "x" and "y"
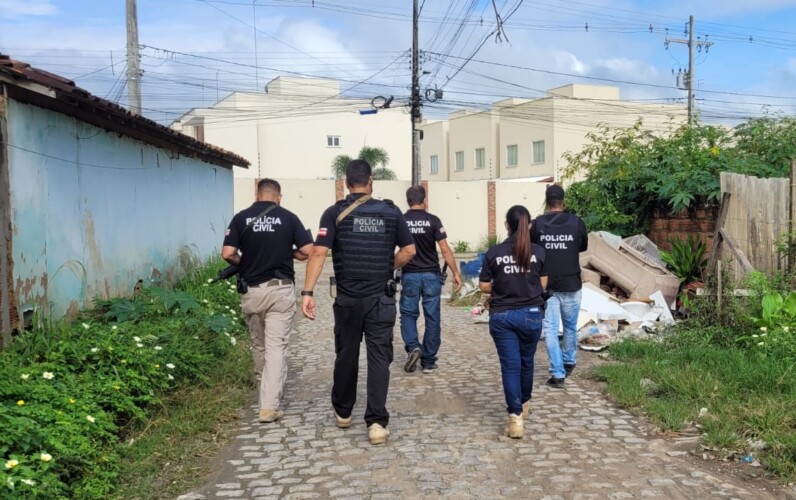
{"x": 714, "y": 252}
{"x": 737, "y": 252}
{"x": 791, "y": 195}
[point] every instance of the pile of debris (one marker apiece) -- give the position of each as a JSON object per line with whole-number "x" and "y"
{"x": 627, "y": 290}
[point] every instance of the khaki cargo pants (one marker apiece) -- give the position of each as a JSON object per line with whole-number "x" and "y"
{"x": 268, "y": 309}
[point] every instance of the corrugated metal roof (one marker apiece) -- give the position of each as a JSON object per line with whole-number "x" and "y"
{"x": 66, "y": 97}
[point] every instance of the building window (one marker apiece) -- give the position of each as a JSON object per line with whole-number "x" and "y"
{"x": 459, "y": 161}
{"x": 511, "y": 155}
{"x": 333, "y": 141}
{"x": 434, "y": 164}
{"x": 538, "y": 152}
{"x": 480, "y": 158}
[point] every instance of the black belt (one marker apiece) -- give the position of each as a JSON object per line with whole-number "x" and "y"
{"x": 273, "y": 282}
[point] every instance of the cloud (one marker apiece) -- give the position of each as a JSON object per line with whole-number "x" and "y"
{"x": 11, "y": 9}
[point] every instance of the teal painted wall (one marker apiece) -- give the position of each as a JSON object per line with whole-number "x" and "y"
{"x": 93, "y": 211}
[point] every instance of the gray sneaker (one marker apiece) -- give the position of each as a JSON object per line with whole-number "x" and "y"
{"x": 412, "y": 359}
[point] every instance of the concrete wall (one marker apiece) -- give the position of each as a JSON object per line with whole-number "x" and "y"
{"x": 92, "y": 212}
{"x": 508, "y": 194}
{"x": 462, "y": 207}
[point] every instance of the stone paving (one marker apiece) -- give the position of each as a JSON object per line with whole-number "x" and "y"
{"x": 447, "y": 434}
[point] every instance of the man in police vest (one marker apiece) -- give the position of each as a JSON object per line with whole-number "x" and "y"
{"x": 362, "y": 233}
{"x": 260, "y": 241}
{"x": 563, "y": 237}
{"x": 421, "y": 279}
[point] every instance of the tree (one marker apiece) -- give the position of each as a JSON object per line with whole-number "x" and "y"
{"x": 376, "y": 157}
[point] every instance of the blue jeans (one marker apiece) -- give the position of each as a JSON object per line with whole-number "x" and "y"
{"x": 428, "y": 287}
{"x": 516, "y": 333}
{"x": 561, "y": 307}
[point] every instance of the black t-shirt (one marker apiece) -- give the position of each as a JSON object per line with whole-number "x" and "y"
{"x": 563, "y": 237}
{"x": 427, "y": 230}
{"x": 511, "y": 287}
{"x": 267, "y": 246}
{"x": 328, "y": 231}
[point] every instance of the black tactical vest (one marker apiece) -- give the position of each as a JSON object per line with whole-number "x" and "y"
{"x": 364, "y": 248}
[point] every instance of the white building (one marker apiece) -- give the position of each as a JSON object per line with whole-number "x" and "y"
{"x": 296, "y": 128}
{"x": 526, "y": 138}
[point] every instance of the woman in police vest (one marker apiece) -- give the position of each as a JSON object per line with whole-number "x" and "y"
{"x": 513, "y": 273}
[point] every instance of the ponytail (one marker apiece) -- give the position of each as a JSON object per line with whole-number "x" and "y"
{"x": 519, "y": 220}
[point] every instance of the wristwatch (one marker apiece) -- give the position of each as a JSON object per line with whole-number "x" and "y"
{"x": 306, "y": 293}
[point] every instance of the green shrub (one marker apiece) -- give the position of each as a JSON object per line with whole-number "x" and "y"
{"x": 461, "y": 247}
{"x": 69, "y": 391}
{"x": 686, "y": 259}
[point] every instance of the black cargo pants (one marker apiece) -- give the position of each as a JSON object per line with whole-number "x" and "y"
{"x": 375, "y": 318}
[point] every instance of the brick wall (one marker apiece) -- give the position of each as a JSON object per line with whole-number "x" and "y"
{"x": 700, "y": 222}
{"x": 492, "y": 208}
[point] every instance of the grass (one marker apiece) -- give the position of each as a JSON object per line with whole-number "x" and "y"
{"x": 172, "y": 453}
{"x": 748, "y": 396}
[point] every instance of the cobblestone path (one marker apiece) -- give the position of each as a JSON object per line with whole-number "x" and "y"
{"x": 447, "y": 435}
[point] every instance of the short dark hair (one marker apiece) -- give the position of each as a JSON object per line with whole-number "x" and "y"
{"x": 415, "y": 195}
{"x": 269, "y": 185}
{"x": 357, "y": 173}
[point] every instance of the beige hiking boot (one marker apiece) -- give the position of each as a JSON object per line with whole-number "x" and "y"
{"x": 377, "y": 434}
{"x": 526, "y": 409}
{"x": 515, "y": 426}
{"x": 268, "y": 416}
{"x": 343, "y": 423}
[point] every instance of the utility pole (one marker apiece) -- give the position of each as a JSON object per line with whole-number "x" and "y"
{"x": 415, "y": 104}
{"x": 133, "y": 60}
{"x": 690, "y": 80}
{"x": 256, "y": 59}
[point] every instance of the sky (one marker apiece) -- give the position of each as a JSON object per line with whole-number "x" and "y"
{"x": 194, "y": 52}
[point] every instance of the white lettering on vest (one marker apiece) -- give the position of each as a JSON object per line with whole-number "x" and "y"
{"x": 369, "y": 225}
{"x": 264, "y": 224}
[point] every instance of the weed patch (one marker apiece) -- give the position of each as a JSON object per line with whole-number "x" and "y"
{"x": 734, "y": 396}
{"x": 71, "y": 392}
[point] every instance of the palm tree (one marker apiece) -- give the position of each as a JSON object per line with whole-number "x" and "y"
{"x": 377, "y": 157}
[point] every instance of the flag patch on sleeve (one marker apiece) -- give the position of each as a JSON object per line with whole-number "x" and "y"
{"x": 322, "y": 232}
{"x": 226, "y": 233}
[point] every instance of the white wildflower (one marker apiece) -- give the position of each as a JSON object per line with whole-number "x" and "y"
{"x": 114, "y": 327}
{"x": 754, "y": 336}
{"x": 45, "y": 457}
{"x": 90, "y": 418}
{"x": 140, "y": 344}
{"x": 25, "y": 376}
{"x": 29, "y": 482}
{"x": 205, "y": 301}
{"x": 233, "y": 340}
{"x": 209, "y": 280}
{"x": 94, "y": 349}
{"x": 48, "y": 375}
{"x": 170, "y": 366}
{"x": 761, "y": 343}
{"x": 786, "y": 329}
{"x": 171, "y": 377}
{"x": 85, "y": 325}
{"x": 763, "y": 329}
{"x": 137, "y": 339}
{"x": 10, "y": 464}
{"x": 158, "y": 348}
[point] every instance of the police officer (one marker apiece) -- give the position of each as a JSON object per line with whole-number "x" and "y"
{"x": 362, "y": 233}
{"x": 513, "y": 273}
{"x": 563, "y": 237}
{"x": 421, "y": 279}
{"x": 260, "y": 240}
